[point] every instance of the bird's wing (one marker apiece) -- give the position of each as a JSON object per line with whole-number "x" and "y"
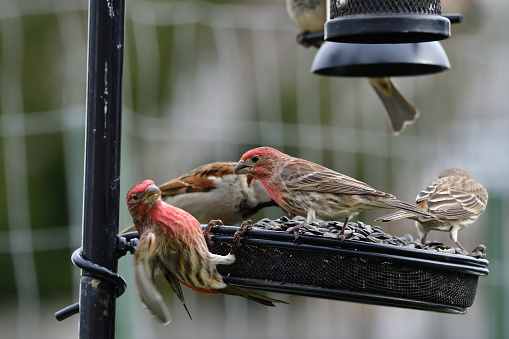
{"x": 198, "y": 180}
{"x": 324, "y": 180}
{"x": 447, "y": 202}
{"x": 175, "y": 285}
{"x": 145, "y": 263}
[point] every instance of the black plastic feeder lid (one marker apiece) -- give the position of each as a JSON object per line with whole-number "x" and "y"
{"x": 388, "y": 29}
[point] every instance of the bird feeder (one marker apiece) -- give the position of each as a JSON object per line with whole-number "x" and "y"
{"x": 351, "y": 270}
{"x": 379, "y": 60}
{"x": 386, "y": 22}
{"x": 369, "y": 60}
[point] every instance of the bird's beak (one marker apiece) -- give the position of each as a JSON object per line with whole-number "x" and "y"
{"x": 242, "y": 168}
{"x": 152, "y": 193}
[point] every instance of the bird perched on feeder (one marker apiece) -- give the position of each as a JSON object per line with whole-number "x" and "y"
{"x": 212, "y": 192}
{"x": 455, "y": 199}
{"x": 172, "y": 241}
{"x": 310, "y": 17}
{"x": 310, "y": 190}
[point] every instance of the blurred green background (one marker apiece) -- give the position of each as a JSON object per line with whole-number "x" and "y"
{"x": 206, "y": 81}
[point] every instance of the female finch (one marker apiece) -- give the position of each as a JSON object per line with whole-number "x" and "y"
{"x": 172, "y": 241}
{"x": 308, "y": 189}
{"x": 309, "y": 16}
{"x": 455, "y": 199}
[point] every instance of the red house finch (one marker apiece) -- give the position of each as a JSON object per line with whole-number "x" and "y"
{"x": 309, "y": 16}
{"x": 172, "y": 241}
{"x": 212, "y": 191}
{"x": 455, "y": 199}
{"x": 308, "y": 189}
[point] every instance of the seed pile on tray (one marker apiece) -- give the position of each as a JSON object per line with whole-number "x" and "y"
{"x": 361, "y": 232}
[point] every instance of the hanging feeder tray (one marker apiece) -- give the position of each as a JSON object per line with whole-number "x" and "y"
{"x": 385, "y": 22}
{"x": 350, "y": 270}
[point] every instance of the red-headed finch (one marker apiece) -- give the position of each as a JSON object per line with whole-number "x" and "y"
{"x": 309, "y": 16}
{"x": 172, "y": 241}
{"x": 455, "y": 199}
{"x": 307, "y": 189}
{"x": 212, "y": 192}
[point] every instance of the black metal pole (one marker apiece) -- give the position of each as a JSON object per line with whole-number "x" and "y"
{"x": 102, "y": 165}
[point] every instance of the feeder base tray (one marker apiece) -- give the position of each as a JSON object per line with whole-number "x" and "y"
{"x": 350, "y": 270}
{"x": 388, "y": 29}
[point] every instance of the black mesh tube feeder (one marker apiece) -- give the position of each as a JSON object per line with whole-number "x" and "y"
{"x": 386, "y": 21}
{"x": 379, "y": 60}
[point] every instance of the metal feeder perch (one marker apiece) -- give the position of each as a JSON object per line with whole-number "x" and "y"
{"x": 384, "y": 22}
{"x": 351, "y": 270}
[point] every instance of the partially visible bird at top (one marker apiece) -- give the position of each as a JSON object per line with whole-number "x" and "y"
{"x": 310, "y": 190}
{"x": 310, "y": 16}
{"x": 212, "y": 192}
{"x": 455, "y": 199}
{"x": 172, "y": 241}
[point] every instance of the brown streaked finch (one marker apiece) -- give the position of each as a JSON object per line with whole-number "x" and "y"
{"x": 212, "y": 192}
{"x": 309, "y": 16}
{"x": 172, "y": 241}
{"x": 455, "y": 199}
{"x": 310, "y": 190}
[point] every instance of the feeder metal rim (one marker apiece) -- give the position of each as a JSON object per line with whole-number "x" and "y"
{"x": 315, "y": 243}
{"x": 384, "y": 257}
{"x": 388, "y": 28}
{"x": 352, "y": 245}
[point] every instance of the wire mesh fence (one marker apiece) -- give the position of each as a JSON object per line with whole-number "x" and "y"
{"x": 205, "y": 82}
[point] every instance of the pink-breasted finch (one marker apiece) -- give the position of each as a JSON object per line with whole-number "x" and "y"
{"x": 309, "y": 16}
{"x": 212, "y": 192}
{"x": 172, "y": 241}
{"x": 307, "y": 189}
{"x": 455, "y": 199}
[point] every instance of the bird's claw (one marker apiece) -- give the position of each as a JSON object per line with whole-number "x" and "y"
{"x": 246, "y": 225}
{"x": 295, "y": 231}
{"x": 206, "y": 232}
{"x": 301, "y": 40}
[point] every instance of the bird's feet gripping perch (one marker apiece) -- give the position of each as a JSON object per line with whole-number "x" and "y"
{"x": 206, "y": 231}
{"x": 246, "y": 225}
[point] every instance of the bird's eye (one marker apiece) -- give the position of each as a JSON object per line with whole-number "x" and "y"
{"x": 255, "y": 158}
{"x": 135, "y": 198}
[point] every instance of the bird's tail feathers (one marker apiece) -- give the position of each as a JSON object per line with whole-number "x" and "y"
{"x": 400, "y": 110}
{"x": 232, "y": 290}
{"x": 416, "y": 211}
{"x": 401, "y": 214}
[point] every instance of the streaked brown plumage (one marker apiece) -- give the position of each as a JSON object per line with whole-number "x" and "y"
{"x": 172, "y": 241}
{"x": 309, "y": 16}
{"x": 455, "y": 199}
{"x": 307, "y": 189}
{"x": 212, "y": 192}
